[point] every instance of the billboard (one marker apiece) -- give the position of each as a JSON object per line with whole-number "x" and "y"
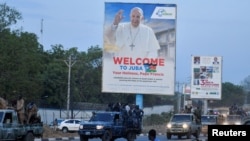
{"x": 206, "y": 77}
{"x": 186, "y": 89}
{"x": 139, "y": 48}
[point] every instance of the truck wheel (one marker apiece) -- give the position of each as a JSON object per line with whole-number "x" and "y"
{"x": 65, "y": 130}
{"x": 107, "y": 136}
{"x": 168, "y": 136}
{"x": 29, "y": 137}
{"x": 82, "y": 138}
{"x": 197, "y": 134}
{"x": 131, "y": 136}
{"x": 189, "y": 135}
{"x": 247, "y": 123}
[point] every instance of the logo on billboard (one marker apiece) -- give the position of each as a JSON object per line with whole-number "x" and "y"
{"x": 213, "y": 93}
{"x": 164, "y": 13}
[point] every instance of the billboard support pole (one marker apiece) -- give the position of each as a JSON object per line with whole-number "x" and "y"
{"x": 139, "y": 100}
{"x": 205, "y": 106}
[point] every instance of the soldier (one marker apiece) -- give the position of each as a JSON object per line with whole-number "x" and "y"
{"x": 31, "y": 111}
{"x": 3, "y": 103}
{"x": 139, "y": 114}
{"x": 20, "y": 109}
{"x": 197, "y": 113}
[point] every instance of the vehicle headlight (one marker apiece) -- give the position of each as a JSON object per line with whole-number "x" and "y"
{"x": 98, "y": 127}
{"x": 81, "y": 127}
{"x": 184, "y": 126}
{"x": 169, "y": 125}
{"x": 237, "y": 123}
{"x": 225, "y": 123}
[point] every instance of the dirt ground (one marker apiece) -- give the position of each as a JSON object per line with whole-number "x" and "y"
{"x": 50, "y": 133}
{"x": 159, "y": 129}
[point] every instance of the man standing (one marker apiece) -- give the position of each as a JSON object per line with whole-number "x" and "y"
{"x": 3, "y": 103}
{"x": 133, "y": 39}
{"x": 20, "y": 109}
{"x": 55, "y": 123}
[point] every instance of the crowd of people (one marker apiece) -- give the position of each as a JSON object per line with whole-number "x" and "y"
{"x": 237, "y": 110}
{"x": 132, "y": 116}
{"x": 25, "y": 114}
{"x": 131, "y": 113}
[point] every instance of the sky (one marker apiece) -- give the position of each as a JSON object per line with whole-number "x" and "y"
{"x": 204, "y": 28}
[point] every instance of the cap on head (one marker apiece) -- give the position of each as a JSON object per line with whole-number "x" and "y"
{"x": 137, "y": 9}
{"x": 20, "y": 96}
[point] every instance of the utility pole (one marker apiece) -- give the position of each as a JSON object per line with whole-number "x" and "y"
{"x": 178, "y": 98}
{"x": 69, "y": 63}
{"x": 41, "y": 31}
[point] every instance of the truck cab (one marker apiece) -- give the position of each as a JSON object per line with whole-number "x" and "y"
{"x": 110, "y": 126}
{"x": 12, "y": 130}
{"x": 8, "y": 117}
{"x": 208, "y": 120}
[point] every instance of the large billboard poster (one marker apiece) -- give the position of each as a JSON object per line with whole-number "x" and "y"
{"x": 206, "y": 77}
{"x": 139, "y": 48}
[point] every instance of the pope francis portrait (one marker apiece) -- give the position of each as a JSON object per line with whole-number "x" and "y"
{"x": 131, "y": 39}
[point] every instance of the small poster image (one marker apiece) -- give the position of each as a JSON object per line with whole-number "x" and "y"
{"x": 206, "y": 77}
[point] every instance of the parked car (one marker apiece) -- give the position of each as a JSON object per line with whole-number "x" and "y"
{"x": 59, "y": 120}
{"x": 70, "y": 125}
{"x": 207, "y": 120}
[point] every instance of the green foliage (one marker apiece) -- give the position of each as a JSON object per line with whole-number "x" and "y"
{"x": 230, "y": 94}
{"x": 20, "y": 64}
{"x": 156, "y": 119}
{"x": 8, "y": 16}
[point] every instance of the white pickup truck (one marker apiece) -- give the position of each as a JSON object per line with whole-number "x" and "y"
{"x": 184, "y": 124}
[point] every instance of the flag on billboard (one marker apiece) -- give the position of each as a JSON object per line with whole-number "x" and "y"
{"x": 139, "y": 48}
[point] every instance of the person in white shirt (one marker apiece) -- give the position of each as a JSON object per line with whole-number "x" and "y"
{"x": 133, "y": 39}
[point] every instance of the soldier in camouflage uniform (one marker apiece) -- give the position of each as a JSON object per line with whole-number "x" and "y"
{"x": 197, "y": 113}
{"x": 20, "y": 109}
{"x": 3, "y": 103}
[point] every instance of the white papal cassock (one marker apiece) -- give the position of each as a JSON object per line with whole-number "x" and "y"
{"x": 135, "y": 42}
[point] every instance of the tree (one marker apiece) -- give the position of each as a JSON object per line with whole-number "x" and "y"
{"x": 20, "y": 64}
{"x": 20, "y": 59}
{"x": 88, "y": 75}
{"x": 8, "y": 16}
{"x": 246, "y": 86}
{"x": 230, "y": 94}
{"x": 55, "y": 76}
